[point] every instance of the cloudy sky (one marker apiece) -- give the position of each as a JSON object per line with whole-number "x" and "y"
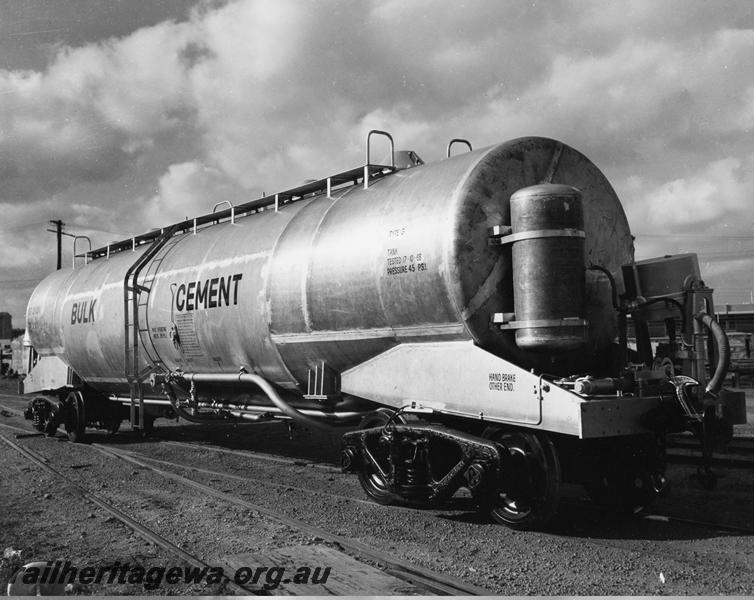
{"x": 118, "y": 116}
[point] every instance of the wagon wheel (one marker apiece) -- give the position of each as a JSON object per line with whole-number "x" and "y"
{"x": 527, "y": 493}
{"x": 371, "y": 478}
{"x": 75, "y": 417}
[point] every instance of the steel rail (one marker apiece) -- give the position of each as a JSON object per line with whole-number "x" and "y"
{"x": 11, "y": 409}
{"x": 243, "y": 453}
{"x": 667, "y": 518}
{"x": 242, "y": 478}
{"x": 141, "y": 529}
{"x": 697, "y": 523}
{"x": 294, "y": 462}
{"x": 687, "y": 439}
{"x": 245, "y": 478}
{"x": 354, "y": 546}
{"x": 346, "y": 543}
{"x": 718, "y": 460}
{"x": 685, "y": 449}
{"x": 434, "y": 582}
{"x": 266, "y": 482}
{"x": 679, "y": 442}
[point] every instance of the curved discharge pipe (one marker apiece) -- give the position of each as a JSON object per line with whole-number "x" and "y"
{"x": 723, "y": 351}
{"x": 264, "y": 385}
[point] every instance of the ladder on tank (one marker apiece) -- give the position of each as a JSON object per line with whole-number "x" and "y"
{"x": 142, "y": 325}
{"x": 135, "y": 297}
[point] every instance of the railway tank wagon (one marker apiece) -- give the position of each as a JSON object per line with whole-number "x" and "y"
{"x": 465, "y": 319}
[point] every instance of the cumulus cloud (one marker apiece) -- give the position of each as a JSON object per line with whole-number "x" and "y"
{"x": 247, "y": 96}
{"x": 723, "y": 187}
{"x": 720, "y": 191}
{"x": 187, "y": 190}
{"x": 255, "y": 79}
{"x": 83, "y": 119}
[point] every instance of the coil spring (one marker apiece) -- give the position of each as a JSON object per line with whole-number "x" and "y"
{"x": 411, "y": 471}
{"x": 408, "y": 475}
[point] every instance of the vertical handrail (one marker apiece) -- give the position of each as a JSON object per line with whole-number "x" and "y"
{"x": 131, "y": 320}
{"x": 368, "y": 152}
{"x": 76, "y": 239}
{"x": 232, "y": 210}
{"x": 458, "y": 141}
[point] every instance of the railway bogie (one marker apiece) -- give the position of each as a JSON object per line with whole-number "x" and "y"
{"x": 468, "y": 321}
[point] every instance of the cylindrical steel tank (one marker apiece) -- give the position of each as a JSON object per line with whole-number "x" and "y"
{"x": 337, "y": 280}
{"x": 549, "y": 275}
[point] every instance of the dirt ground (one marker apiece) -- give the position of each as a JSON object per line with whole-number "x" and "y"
{"x": 44, "y": 519}
{"x": 584, "y": 553}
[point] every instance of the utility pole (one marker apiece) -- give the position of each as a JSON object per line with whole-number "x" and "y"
{"x": 59, "y": 231}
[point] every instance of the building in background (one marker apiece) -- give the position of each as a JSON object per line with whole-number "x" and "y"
{"x": 6, "y": 336}
{"x": 736, "y": 317}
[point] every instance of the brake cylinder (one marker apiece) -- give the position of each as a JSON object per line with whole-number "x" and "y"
{"x": 549, "y": 278}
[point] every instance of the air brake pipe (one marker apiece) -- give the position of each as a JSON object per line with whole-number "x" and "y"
{"x": 255, "y": 409}
{"x": 184, "y": 414}
{"x": 247, "y": 417}
{"x": 173, "y": 400}
{"x": 723, "y": 351}
{"x": 264, "y": 385}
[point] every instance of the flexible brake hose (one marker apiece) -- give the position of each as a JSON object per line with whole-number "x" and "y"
{"x": 723, "y": 350}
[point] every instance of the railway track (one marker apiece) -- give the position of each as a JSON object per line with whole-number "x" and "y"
{"x": 424, "y": 580}
{"x": 698, "y": 523}
{"x": 139, "y": 458}
{"x": 433, "y": 582}
{"x": 685, "y": 449}
{"x": 253, "y": 455}
{"x": 86, "y": 494}
{"x": 682, "y": 449}
{"x": 142, "y": 460}
{"x": 303, "y": 474}
{"x": 648, "y": 515}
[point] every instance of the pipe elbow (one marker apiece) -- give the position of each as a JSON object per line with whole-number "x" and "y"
{"x": 723, "y": 350}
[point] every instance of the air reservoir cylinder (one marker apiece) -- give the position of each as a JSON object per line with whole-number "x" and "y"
{"x": 549, "y": 279}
